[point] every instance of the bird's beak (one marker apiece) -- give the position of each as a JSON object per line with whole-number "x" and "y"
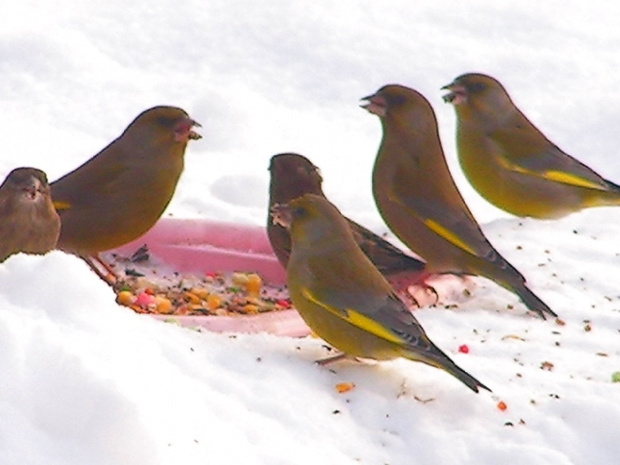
{"x": 34, "y": 188}
{"x": 375, "y": 104}
{"x": 282, "y": 215}
{"x": 457, "y": 94}
{"x": 183, "y": 130}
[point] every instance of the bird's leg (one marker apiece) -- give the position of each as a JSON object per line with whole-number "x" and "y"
{"x": 417, "y": 293}
{"x": 447, "y": 286}
{"x": 409, "y": 299}
{"x": 335, "y": 358}
{"x": 426, "y": 289}
{"x": 411, "y": 287}
{"x": 96, "y": 263}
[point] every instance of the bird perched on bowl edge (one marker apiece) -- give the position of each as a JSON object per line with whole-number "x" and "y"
{"x": 344, "y": 298}
{"x": 418, "y": 198}
{"x": 120, "y": 193}
{"x": 511, "y": 163}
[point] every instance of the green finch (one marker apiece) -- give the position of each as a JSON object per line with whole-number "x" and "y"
{"x": 420, "y": 202}
{"x": 344, "y": 298}
{"x": 293, "y": 175}
{"x": 119, "y": 194}
{"x": 511, "y": 163}
{"x": 28, "y": 221}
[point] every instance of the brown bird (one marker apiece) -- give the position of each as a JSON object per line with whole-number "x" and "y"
{"x": 344, "y": 298}
{"x": 420, "y": 202}
{"x": 511, "y": 163}
{"x": 28, "y": 221}
{"x": 292, "y": 176}
{"x": 119, "y": 194}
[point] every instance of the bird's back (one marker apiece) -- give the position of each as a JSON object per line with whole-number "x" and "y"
{"x": 115, "y": 196}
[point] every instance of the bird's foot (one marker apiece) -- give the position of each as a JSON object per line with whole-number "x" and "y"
{"x": 412, "y": 289}
{"x": 335, "y": 358}
{"x": 445, "y": 289}
{"x": 423, "y": 294}
{"x": 101, "y": 269}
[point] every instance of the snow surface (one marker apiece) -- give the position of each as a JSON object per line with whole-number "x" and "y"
{"x": 85, "y": 381}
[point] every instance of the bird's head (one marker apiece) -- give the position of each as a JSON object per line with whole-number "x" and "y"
{"x": 478, "y": 92}
{"x": 27, "y": 184}
{"x": 401, "y": 107}
{"x": 312, "y": 221}
{"x": 293, "y": 175}
{"x": 165, "y": 123}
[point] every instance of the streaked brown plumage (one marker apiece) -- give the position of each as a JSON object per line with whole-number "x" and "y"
{"x": 344, "y": 298}
{"x": 293, "y": 175}
{"x": 119, "y": 194}
{"x": 28, "y": 221}
{"x": 420, "y": 202}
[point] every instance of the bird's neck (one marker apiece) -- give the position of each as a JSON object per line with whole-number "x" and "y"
{"x": 475, "y": 116}
{"x": 408, "y": 145}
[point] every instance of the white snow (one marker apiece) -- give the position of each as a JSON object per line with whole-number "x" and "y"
{"x": 85, "y": 381}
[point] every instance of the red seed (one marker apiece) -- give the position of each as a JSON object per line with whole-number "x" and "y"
{"x": 284, "y": 303}
{"x": 145, "y": 299}
{"x": 464, "y": 349}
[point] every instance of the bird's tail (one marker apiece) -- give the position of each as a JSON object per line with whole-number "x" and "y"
{"x": 609, "y": 197}
{"x": 436, "y": 358}
{"x": 613, "y": 186}
{"x": 532, "y": 301}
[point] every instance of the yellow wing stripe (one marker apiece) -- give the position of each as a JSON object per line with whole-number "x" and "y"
{"x": 555, "y": 175}
{"x": 568, "y": 178}
{"x": 372, "y": 326}
{"x": 357, "y": 319}
{"x": 60, "y": 205}
{"x": 448, "y": 235}
{"x": 436, "y": 227}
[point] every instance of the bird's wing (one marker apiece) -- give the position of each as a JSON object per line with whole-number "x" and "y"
{"x": 386, "y": 317}
{"x": 455, "y": 225}
{"x": 386, "y": 257}
{"x": 87, "y": 184}
{"x": 534, "y": 155}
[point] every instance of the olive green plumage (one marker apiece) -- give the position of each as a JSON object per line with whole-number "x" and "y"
{"x": 511, "y": 163}
{"x": 418, "y": 199}
{"x": 344, "y": 298}
{"x": 293, "y": 175}
{"x": 119, "y": 194}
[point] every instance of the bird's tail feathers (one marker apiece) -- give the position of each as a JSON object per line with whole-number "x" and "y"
{"x": 438, "y": 359}
{"x": 607, "y": 198}
{"x": 533, "y": 302}
{"x": 613, "y": 186}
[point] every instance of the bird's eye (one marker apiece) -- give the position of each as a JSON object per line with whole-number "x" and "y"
{"x": 299, "y": 212}
{"x": 477, "y": 87}
{"x": 165, "y": 121}
{"x": 397, "y": 99}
